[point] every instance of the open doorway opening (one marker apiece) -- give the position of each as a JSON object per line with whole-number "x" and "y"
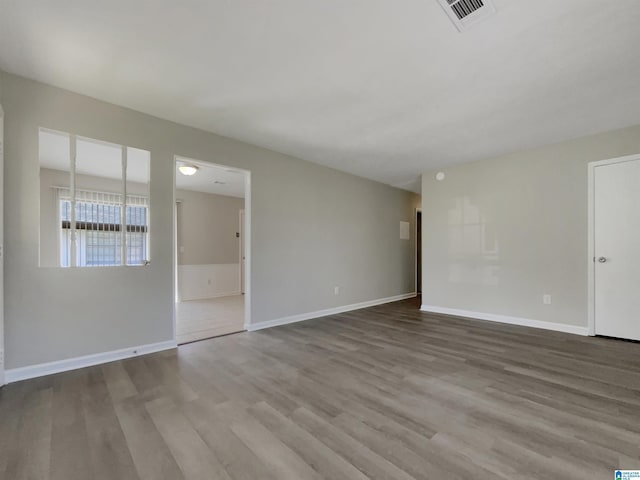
{"x": 212, "y": 249}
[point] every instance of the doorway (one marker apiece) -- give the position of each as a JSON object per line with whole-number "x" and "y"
{"x": 212, "y": 249}
{"x": 614, "y": 236}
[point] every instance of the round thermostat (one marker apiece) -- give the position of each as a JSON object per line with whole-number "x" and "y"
{"x": 440, "y": 176}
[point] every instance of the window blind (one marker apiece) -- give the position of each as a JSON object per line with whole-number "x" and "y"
{"x": 98, "y": 228}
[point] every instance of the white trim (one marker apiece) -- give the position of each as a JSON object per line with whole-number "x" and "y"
{"x": 123, "y": 215}
{"x": 523, "y": 322}
{"x": 241, "y": 226}
{"x": 591, "y": 251}
{"x": 591, "y": 266}
{"x": 174, "y": 241}
{"x": 2, "y": 350}
{"x": 247, "y": 249}
{"x": 73, "y": 259}
{"x": 329, "y": 311}
{"x": 39, "y": 370}
{"x": 415, "y": 252}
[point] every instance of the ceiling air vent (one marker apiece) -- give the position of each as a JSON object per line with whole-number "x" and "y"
{"x": 464, "y": 13}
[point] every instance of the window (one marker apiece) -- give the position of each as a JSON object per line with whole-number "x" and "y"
{"x": 98, "y": 220}
{"x": 84, "y": 221}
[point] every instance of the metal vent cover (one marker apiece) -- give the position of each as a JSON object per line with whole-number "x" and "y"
{"x": 465, "y": 13}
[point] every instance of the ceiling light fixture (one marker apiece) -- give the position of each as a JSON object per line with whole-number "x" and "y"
{"x": 187, "y": 170}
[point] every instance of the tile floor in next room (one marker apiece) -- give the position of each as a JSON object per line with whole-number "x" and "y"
{"x": 211, "y": 317}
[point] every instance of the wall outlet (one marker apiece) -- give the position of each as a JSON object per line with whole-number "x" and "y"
{"x": 336, "y": 290}
{"x": 181, "y": 249}
{"x": 546, "y": 299}
{"x": 208, "y": 281}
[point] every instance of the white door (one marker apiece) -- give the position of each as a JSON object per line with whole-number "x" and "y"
{"x": 1, "y": 247}
{"x": 242, "y": 255}
{"x": 617, "y": 249}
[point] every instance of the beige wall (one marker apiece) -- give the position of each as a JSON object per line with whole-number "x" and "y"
{"x": 207, "y": 226}
{"x": 312, "y": 228}
{"x": 501, "y": 233}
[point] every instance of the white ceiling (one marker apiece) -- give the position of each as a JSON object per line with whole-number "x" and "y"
{"x": 211, "y": 179}
{"x": 380, "y": 88}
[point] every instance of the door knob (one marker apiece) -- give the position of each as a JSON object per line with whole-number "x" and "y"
{"x": 602, "y": 259}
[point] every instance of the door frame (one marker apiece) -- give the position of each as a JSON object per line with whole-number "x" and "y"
{"x": 247, "y": 229}
{"x": 415, "y": 253}
{"x": 2, "y": 342}
{"x": 591, "y": 254}
{"x": 243, "y": 273}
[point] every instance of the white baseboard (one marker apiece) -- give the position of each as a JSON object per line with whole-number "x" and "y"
{"x": 329, "y": 311}
{"x": 39, "y": 370}
{"x": 523, "y": 322}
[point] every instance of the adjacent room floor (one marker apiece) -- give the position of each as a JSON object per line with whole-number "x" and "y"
{"x": 212, "y": 317}
{"x": 381, "y": 393}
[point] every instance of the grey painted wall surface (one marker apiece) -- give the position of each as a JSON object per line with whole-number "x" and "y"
{"x": 501, "y": 233}
{"x": 312, "y": 228}
{"x": 207, "y": 226}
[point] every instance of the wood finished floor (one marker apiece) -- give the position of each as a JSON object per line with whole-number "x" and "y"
{"x": 382, "y": 393}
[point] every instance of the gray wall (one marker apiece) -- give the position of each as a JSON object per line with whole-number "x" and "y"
{"x": 312, "y": 228}
{"x": 501, "y": 233}
{"x": 207, "y": 226}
